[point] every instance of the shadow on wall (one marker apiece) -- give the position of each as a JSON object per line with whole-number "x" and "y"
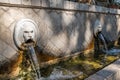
{"x": 61, "y": 32}
{"x": 64, "y": 32}
{"x": 67, "y": 32}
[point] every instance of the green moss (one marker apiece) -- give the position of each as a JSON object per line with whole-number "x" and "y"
{"x": 81, "y": 63}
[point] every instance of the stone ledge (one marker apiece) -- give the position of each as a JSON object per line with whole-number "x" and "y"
{"x": 111, "y": 72}
{"x": 15, "y": 1}
{"x": 4, "y": 1}
{"x": 61, "y": 5}
{"x": 36, "y": 3}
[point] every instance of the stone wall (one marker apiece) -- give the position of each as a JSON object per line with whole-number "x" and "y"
{"x": 64, "y": 27}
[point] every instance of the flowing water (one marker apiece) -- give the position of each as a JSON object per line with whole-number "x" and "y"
{"x": 100, "y": 35}
{"x": 58, "y": 73}
{"x": 112, "y": 51}
{"x": 73, "y": 69}
{"x": 34, "y": 61}
{"x": 77, "y": 68}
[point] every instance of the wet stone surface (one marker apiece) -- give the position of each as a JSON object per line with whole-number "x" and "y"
{"x": 74, "y": 68}
{"x": 77, "y": 68}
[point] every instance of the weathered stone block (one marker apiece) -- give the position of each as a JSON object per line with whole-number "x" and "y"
{"x": 106, "y": 74}
{"x": 95, "y": 77}
{"x": 101, "y": 9}
{"x": 53, "y": 3}
{"x": 72, "y": 5}
{"x": 5, "y": 9}
{"x": 117, "y": 62}
{"x": 60, "y": 3}
{"x": 76, "y": 6}
{"x": 66, "y": 4}
{"x": 92, "y": 8}
{"x": 26, "y": 2}
{"x": 118, "y": 11}
{"x": 35, "y": 2}
{"x": 40, "y": 2}
{"x": 112, "y": 11}
{"x": 115, "y": 65}
{"x": 98, "y": 9}
{"x": 9, "y": 52}
{"x": 2, "y": 11}
{"x": 3, "y": 46}
{"x": 6, "y": 19}
{"x": 4, "y": 1}
{"x": 115, "y": 69}
{"x": 3, "y": 60}
{"x": 104, "y": 10}
{"x": 60, "y": 42}
{"x": 117, "y": 76}
{"x": 111, "y": 72}
{"x": 6, "y": 37}
{"x": 2, "y": 29}
{"x": 83, "y": 7}
{"x": 45, "y": 3}
{"x": 15, "y": 1}
{"x": 51, "y": 49}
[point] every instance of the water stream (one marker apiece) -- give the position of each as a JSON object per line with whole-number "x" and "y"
{"x": 58, "y": 73}
{"x": 77, "y": 68}
{"x": 34, "y": 61}
{"x": 100, "y": 35}
{"x": 112, "y": 51}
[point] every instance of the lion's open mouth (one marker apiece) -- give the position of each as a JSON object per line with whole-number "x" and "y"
{"x": 29, "y": 41}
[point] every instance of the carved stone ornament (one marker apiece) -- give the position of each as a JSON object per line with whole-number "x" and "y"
{"x": 97, "y": 27}
{"x": 24, "y": 30}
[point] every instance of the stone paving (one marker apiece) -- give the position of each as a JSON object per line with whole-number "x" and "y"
{"x": 111, "y": 72}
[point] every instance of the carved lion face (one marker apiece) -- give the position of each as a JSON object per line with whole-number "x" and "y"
{"x": 28, "y": 31}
